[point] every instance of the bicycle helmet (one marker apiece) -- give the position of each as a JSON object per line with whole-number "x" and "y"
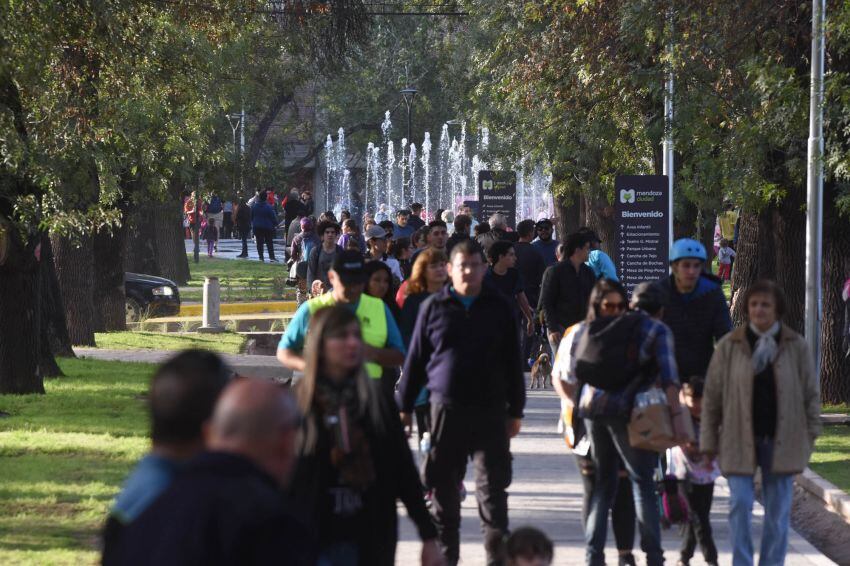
{"x": 687, "y": 248}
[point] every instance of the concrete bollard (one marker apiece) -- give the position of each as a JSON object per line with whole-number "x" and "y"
{"x": 212, "y": 306}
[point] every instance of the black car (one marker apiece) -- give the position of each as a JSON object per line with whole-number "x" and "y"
{"x": 149, "y": 296}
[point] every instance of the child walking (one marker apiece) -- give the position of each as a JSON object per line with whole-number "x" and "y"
{"x": 688, "y": 464}
{"x": 725, "y": 255}
{"x": 211, "y": 236}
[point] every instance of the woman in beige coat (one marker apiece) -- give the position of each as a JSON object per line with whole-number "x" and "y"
{"x": 761, "y": 409}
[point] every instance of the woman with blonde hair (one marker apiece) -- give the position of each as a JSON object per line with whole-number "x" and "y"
{"x": 353, "y": 457}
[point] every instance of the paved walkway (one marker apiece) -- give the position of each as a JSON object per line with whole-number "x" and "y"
{"x": 229, "y": 249}
{"x": 252, "y": 366}
{"x": 546, "y": 493}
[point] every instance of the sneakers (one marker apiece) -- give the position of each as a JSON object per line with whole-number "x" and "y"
{"x": 273, "y": 260}
{"x": 626, "y": 560}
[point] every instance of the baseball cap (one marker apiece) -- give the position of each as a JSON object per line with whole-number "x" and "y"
{"x": 348, "y": 264}
{"x": 591, "y": 235}
{"x": 375, "y": 231}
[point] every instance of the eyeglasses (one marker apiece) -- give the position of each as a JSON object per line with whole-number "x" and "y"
{"x": 613, "y": 306}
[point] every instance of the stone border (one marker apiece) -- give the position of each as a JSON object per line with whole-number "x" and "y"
{"x": 835, "y": 499}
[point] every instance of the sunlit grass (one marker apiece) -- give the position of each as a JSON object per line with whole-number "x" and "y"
{"x": 63, "y": 457}
{"x": 831, "y": 457}
{"x": 225, "y": 342}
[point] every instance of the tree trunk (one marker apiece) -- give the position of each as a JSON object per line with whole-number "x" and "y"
{"x": 140, "y": 254}
{"x": 155, "y": 244}
{"x": 746, "y": 271}
{"x": 568, "y": 212}
{"x": 170, "y": 244}
{"x": 600, "y": 219}
{"x": 74, "y": 268}
{"x": 108, "y": 283}
{"x": 835, "y": 365}
{"x": 255, "y": 145}
{"x": 20, "y": 370}
{"x": 789, "y": 246}
{"x": 52, "y": 307}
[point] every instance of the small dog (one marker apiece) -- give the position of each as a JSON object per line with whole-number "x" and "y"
{"x": 541, "y": 372}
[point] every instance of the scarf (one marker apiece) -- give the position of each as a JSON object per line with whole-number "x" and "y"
{"x": 765, "y": 351}
{"x": 342, "y": 416}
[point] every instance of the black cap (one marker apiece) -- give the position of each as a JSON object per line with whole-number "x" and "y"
{"x": 348, "y": 264}
{"x": 649, "y": 296}
{"x": 591, "y": 235}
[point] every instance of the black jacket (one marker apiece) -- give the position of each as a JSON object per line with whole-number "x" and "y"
{"x": 697, "y": 320}
{"x": 564, "y": 294}
{"x": 221, "y": 510}
{"x": 531, "y": 266}
{"x": 397, "y": 478}
{"x": 467, "y": 358}
{"x": 487, "y": 239}
{"x": 455, "y": 239}
{"x": 243, "y": 217}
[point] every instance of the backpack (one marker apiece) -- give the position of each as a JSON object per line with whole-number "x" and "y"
{"x": 673, "y": 502}
{"x": 214, "y": 206}
{"x": 607, "y": 354}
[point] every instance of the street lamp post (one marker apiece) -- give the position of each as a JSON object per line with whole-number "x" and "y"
{"x": 814, "y": 210}
{"x": 235, "y": 122}
{"x": 409, "y": 94}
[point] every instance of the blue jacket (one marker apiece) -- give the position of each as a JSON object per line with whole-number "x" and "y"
{"x": 263, "y": 216}
{"x": 465, "y": 357}
{"x": 698, "y": 319}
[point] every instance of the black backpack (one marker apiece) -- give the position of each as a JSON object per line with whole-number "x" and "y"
{"x": 607, "y": 356}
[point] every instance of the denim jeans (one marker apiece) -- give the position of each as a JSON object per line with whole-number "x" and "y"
{"x": 777, "y": 490}
{"x": 609, "y": 441}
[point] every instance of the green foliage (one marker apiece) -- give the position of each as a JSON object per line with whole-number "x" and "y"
{"x": 581, "y": 85}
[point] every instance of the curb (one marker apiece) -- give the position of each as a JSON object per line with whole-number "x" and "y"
{"x": 260, "y": 307}
{"x": 835, "y": 499}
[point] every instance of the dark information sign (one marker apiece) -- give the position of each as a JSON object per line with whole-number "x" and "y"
{"x": 497, "y": 193}
{"x": 642, "y": 213}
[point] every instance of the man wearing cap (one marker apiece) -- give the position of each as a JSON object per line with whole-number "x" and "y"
{"x": 376, "y": 242}
{"x": 383, "y": 344}
{"x": 544, "y": 243}
{"x": 697, "y": 311}
{"x": 599, "y": 261}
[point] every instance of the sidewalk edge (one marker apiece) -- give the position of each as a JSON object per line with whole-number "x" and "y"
{"x": 835, "y": 499}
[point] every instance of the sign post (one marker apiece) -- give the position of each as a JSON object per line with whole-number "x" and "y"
{"x": 497, "y": 193}
{"x": 642, "y": 213}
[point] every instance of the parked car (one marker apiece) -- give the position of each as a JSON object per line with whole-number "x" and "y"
{"x": 149, "y": 296}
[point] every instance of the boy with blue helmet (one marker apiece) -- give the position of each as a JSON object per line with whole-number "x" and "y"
{"x": 697, "y": 312}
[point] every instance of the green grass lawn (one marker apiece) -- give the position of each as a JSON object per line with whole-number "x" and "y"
{"x": 63, "y": 457}
{"x": 832, "y": 455}
{"x": 239, "y": 280}
{"x": 226, "y": 342}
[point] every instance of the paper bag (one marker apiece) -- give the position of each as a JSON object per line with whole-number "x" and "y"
{"x": 650, "y": 428}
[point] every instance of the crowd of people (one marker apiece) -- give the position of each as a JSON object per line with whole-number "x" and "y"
{"x": 420, "y": 324}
